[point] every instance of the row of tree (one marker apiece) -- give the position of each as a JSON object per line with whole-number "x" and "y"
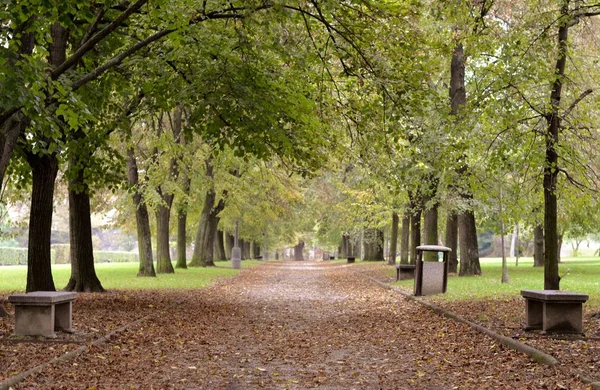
{"x": 298, "y": 117}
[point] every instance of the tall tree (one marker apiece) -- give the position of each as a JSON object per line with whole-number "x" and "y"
{"x": 144, "y": 233}
{"x": 394, "y": 238}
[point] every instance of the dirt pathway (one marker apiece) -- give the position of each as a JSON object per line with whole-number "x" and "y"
{"x": 294, "y": 325}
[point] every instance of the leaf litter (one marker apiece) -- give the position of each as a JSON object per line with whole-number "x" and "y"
{"x": 287, "y": 325}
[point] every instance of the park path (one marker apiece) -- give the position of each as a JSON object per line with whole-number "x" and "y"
{"x": 298, "y": 325}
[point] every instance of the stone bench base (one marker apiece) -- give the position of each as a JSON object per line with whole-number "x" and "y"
{"x": 405, "y": 271}
{"x": 554, "y": 311}
{"x": 41, "y": 313}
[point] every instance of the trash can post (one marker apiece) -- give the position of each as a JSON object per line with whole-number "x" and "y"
{"x": 434, "y": 275}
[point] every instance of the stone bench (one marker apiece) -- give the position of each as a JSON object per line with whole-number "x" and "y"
{"x": 41, "y": 313}
{"x": 554, "y": 310}
{"x": 405, "y": 271}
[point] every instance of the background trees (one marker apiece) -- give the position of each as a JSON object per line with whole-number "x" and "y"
{"x": 300, "y": 121}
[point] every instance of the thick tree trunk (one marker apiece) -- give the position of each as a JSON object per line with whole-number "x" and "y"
{"x": 394, "y": 238}
{"x": 181, "y": 239}
{"x": 452, "y": 241}
{"x": 83, "y": 273}
{"x": 298, "y": 249}
{"x": 207, "y": 230}
{"x": 430, "y": 229}
{"x": 220, "y": 246}
{"x": 163, "y": 253}
{"x": 242, "y": 244}
{"x": 415, "y": 225}
{"x": 373, "y": 245}
{"x": 538, "y": 247}
{"x": 39, "y": 268}
{"x": 469, "y": 251}
{"x": 229, "y": 243}
{"x": 559, "y": 245}
{"x": 405, "y": 241}
{"x": 248, "y": 253}
{"x": 144, "y": 234}
{"x": 256, "y": 250}
{"x": 551, "y": 254}
{"x": 209, "y": 221}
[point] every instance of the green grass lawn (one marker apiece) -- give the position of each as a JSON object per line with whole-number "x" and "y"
{"x": 581, "y": 274}
{"x": 123, "y": 276}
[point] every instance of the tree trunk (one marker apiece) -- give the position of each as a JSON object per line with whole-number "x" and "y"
{"x": 256, "y": 252}
{"x": 181, "y": 239}
{"x": 404, "y": 245}
{"x": 229, "y": 243}
{"x": 373, "y": 245}
{"x": 452, "y": 241}
{"x": 394, "y": 238}
{"x": 144, "y": 234}
{"x": 220, "y": 246}
{"x": 517, "y": 244}
{"x": 430, "y": 229}
{"x": 551, "y": 254}
{"x": 298, "y": 249}
{"x": 469, "y": 251}
{"x": 247, "y": 250}
{"x": 559, "y": 245}
{"x": 416, "y": 206}
{"x": 83, "y": 273}
{"x": 242, "y": 244}
{"x": 209, "y": 221}
{"x": 163, "y": 253}
{"x": 538, "y": 251}
{"x": 504, "y": 278}
{"x": 39, "y": 268}
{"x": 207, "y": 230}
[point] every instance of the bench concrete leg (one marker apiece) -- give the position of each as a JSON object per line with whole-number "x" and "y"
{"x": 534, "y": 313}
{"x": 563, "y": 317}
{"x": 34, "y": 320}
{"x": 63, "y": 316}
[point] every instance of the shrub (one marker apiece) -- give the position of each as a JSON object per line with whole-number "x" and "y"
{"x": 115, "y": 257}
{"x": 13, "y": 256}
{"x": 62, "y": 253}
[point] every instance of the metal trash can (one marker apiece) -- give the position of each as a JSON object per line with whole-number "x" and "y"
{"x": 431, "y": 277}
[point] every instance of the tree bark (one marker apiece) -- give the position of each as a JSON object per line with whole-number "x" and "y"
{"x": 430, "y": 229}
{"x": 83, "y": 272}
{"x": 469, "y": 251}
{"x": 181, "y": 239}
{"x": 416, "y": 206}
{"x": 373, "y": 245}
{"x": 229, "y": 243}
{"x": 298, "y": 249}
{"x": 551, "y": 254}
{"x": 220, "y": 246}
{"x": 207, "y": 230}
{"x": 394, "y": 238}
{"x": 39, "y": 269}
{"x": 452, "y": 241}
{"x": 243, "y": 250}
{"x": 404, "y": 245}
{"x": 144, "y": 234}
{"x": 538, "y": 248}
{"x": 163, "y": 253}
{"x": 209, "y": 221}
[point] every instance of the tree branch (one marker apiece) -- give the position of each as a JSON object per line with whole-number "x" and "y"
{"x": 576, "y": 101}
{"x": 91, "y": 43}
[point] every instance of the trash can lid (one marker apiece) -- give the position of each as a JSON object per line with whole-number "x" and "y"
{"x": 434, "y": 248}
